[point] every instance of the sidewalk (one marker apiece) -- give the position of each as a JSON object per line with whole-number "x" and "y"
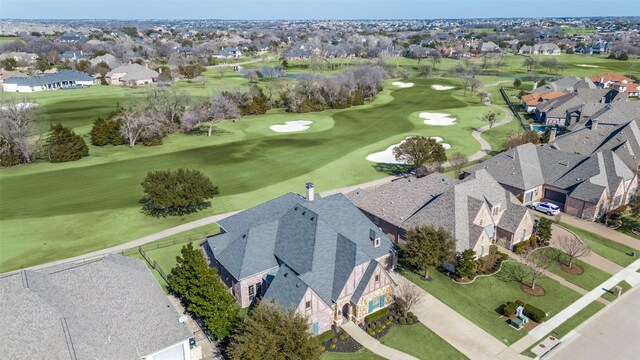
{"x": 457, "y": 330}
{"x": 628, "y": 274}
{"x": 599, "y": 229}
{"x": 374, "y": 345}
{"x": 593, "y": 259}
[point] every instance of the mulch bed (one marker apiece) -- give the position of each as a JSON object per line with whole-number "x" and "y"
{"x": 573, "y": 270}
{"x": 346, "y": 345}
{"x": 538, "y": 291}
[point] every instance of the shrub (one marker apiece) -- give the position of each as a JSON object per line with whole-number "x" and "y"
{"x": 504, "y": 256}
{"x": 410, "y": 321}
{"x": 402, "y": 321}
{"x": 371, "y": 332}
{"x": 376, "y": 315}
{"x": 152, "y": 141}
{"x": 410, "y": 314}
{"x": 326, "y": 336}
{"x": 534, "y": 313}
{"x": 64, "y": 145}
{"x": 332, "y": 346}
{"x": 521, "y": 247}
{"x": 334, "y": 340}
{"x": 520, "y": 302}
{"x": 344, "y": 335}
{"x": 106, "y": 132}
{"x": 509, "y": 309}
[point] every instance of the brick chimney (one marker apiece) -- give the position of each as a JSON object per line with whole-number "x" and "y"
{"x": 594, "y": 124}
{"x": 552, "y": 135}
{"x": 309, "y": 187}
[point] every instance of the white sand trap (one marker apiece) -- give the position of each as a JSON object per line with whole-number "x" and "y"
{"x": 437, "y": 119}
{"x": 589, "y": 66}
{"x": 401, "y": 84}
{"x": 20, "y": 106}
{"x": 387, "y": 157}
{"x": 442, "y": 87}
{"x": 291, "y": 126}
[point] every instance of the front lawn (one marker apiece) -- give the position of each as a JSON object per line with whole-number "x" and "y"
{"x": 612, "y": 250}
{"x": 362, "y": 354}
{"x": 628, "y": 223}
{"x": 419, "y": 341}
{"x": 481, "y": 301}
{"x": 590, "y": 278}
{"x": 609, "y": 295}
{"x": 571, "y": 323}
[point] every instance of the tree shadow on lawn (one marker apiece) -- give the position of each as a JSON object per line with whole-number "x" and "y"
{"x": 392, "y": 169}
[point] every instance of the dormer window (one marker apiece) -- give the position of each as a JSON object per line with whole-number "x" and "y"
{"x": 376, "y": 242}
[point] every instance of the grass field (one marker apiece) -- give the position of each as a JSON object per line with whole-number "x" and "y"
{"x": 609, "y": 295}
{"x": 77, "y": 207}
{"x": 571, "y": 323}
{"x": 481, "y": 301}
{"x": 4, "y": 39}
{"x": 614, "y": 251}
{"x": 588, "y": 280}
{"x": 421, "y": 342}
{"x": 362, "y": 354}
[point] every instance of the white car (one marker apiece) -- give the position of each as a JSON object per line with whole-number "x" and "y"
{"x": 546, "y": 207}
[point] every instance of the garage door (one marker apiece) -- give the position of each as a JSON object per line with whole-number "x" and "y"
{"x": 555, "y": 196}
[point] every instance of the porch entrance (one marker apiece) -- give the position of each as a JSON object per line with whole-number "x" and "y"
{"x": 346, "y": 311}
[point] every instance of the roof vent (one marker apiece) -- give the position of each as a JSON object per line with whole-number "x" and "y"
{"x": 295, "y": 208}
{"x": 297, "y": 284}
{"x": 286, "y": 274}
{"x": 304, "y": 212}
{"x": 311, "y": 218}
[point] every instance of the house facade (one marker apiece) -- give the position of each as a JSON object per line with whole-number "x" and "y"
{"x": 477, "y": 210}
{"x": 60, "y": 80}
{"x": 573, "y": 107}
{"x": 540, "y": 49}
{"x": 583, "y": 186}
{"x": 131, "y": 75}
{"x": 321, "y": 257}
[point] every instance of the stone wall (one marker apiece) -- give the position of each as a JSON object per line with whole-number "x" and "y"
{"x": 362, "y": 309}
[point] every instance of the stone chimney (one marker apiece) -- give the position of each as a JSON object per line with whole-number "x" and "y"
{"x": 535, "y": 85}
{"x": 309, "y": 187}
{"x": 552, "y": 135}
{"x": 594, "y": 124}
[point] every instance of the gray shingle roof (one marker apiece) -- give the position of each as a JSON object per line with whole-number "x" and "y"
{"x": 321, "y": 241}
{"x": 38, "y": 80}
{"x": 134, "y": 72}
{"x": 286, "y": 288}
{"x": 109, "y": 309}
{"x": 366, "y": 277}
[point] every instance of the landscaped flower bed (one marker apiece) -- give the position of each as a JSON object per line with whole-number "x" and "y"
{"x": 378, "y": 326}
{"x": 339, "y": 342}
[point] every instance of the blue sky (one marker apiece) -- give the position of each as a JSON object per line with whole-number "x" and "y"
{"x": 311, "y": 9}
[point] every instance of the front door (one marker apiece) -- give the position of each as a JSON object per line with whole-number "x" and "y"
{"x": 346, "y": 311}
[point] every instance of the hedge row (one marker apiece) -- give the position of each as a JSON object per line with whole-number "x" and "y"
{"x": 530, "y": 311}
{"x": 326, "y": 336}
{"x": 376, "y": 315}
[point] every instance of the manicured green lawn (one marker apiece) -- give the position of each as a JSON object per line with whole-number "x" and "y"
{"x": 421, "y": 342}
{"x": 571, "y": 323}
{"x": 481, "y": 301}
{"x": 609, "y": 294}
{"x": 362, "y": 354}
{"x": 614, "y": 251}
{"x": 590, "y": 278}
{"x": 165, "y": 258}
{"x": 628, "y": 223}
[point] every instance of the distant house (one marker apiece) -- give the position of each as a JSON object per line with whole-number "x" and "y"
{"x": 477, "y": 210}
{"x": 321, "y": 257}
{"x": 540, "y": 49}
{"x": 597, "y": 48}
{"x": 531, "y": 101}
{"x": 566, "y": 84}
{"x": 71, "y": 37}
{"x": 131, "y": 75}
{"x": 106, "y": 58}
{"x": 60, "y": 80}
{"x": 581, "y": 185}
{"x": 230, "y": 52}
{"x": 20, "y": 57}
{"x": 489, "y": 47}
{"x": 109, "y": 309}
{"x": 72, "y": 56}
{"x": 573, "y": 107}
{"x": 616, "y": 81}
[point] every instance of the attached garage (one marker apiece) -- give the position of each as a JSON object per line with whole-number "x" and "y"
{"x": 555, "y": 196}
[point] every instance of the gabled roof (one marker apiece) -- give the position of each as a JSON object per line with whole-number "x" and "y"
{"x": 610, "y": 77}
{"x": 134, "y": 72}
{"x": 39, "y": 80}
{"x": 107, "y": 309}
{"x": 319, "y": 241}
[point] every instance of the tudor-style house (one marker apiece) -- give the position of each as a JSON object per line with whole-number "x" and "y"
{"x": 477, "y": 210}
{"x": 320, "y": 256}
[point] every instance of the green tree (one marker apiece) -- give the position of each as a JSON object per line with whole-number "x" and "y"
{"x": 466, "y": 266}
{"x": 427, "y": 247}
{"x": 517, "y": 83}
{"x": 191, "y": 71}
{"x": 9, "y": 64}
{"x": 8, "y": 154}
{"x": 106, "y": 132}
{"x": 273, "y": 333}
{"x": 179, "y": 192}
{"x": 544, "y": 230}
{"x": 84, "y": 66}
{"x": 64, "y": 145}
{"x": 419, "y": 150}
{"x": 490, "y": 117}
{"x": 200, "y": 288}
{"x": 42, "y": 65}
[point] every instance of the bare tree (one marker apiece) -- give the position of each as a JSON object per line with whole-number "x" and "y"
{"x": 408, "y": 295}
{"x": 538, "y": 263}
{"x": 138, "y": 123}
{"x": 167, "y": 102}
{"x": 573, "y": 247}
{"x": 474, "y": 84}
{"x": 18, "y": 127}
{"x": 219, "y": 108}
{"x": 458, "y": 162}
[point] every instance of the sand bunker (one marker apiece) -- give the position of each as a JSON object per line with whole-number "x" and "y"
{"x": 441, "y": 87}
{"x": 291, "y": 126}
{"x": 20, "y": 106}
{"x": 588, "y": 66}
{"x": 387, "y": 157}
{"x": 437, "y": 119}
{"x": 401, "y": 84}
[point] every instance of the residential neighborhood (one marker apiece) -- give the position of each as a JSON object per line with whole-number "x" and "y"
{"x": 319, "y": 180}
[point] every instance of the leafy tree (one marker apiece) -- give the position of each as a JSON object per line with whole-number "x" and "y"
{"x": 419, "y": 150}
{"x": 102, "y": 68}
{"x": 270, "y": 332}
{"x": 9, "y": 64}
{"x": 490, "y": 117}
{"x": 132, "y": 31}
{"x": 530, "y": 63}
{"x": 8, "y": 154}
{"x": 191, "y": 71}
{"x": 427, "y": 246}
{"x": 64, "y": 145}
{"x": 106, "y": 132}
{"x": 517, "y": 83}
{"x": 544, "y": 230}
{"x": 42, "y": 65}
{"x": 84, "y": 66}
{"x": 179, "y": 192}
{"x": 466, "y": 266}
{"x": 204, "y": 294}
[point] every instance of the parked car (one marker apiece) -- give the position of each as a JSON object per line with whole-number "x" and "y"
{"x": 546, "y": 207}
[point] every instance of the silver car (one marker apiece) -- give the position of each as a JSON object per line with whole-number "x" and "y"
{"x": 546, "y": 207}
